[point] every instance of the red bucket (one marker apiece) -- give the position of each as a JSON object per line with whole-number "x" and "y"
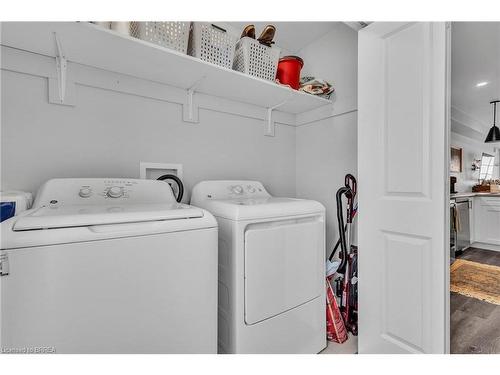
{"x": 289, "y": 71}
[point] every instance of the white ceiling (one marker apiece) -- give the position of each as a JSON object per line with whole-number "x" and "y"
{"x": 290, "y": 36}
{"x": 475, "y": 58}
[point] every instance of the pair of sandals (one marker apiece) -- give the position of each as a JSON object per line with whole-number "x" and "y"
{"x": 266, "y": 36}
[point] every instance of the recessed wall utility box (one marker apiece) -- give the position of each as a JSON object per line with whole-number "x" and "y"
{"x": 151, "y": 171}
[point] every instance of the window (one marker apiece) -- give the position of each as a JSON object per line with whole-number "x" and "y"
{"x": 487, "y": 163}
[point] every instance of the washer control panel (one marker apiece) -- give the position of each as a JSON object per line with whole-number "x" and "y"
{"x": 245, "y": 189}
{"x": 108, "y": 189}
{"x": 228, "y": 190}
{"x": 91, "y": 191}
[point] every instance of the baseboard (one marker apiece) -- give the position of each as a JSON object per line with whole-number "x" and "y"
{"x": 486, "y": 246}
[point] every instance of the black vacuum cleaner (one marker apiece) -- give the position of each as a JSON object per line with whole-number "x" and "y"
{"x": 347, "y": 284}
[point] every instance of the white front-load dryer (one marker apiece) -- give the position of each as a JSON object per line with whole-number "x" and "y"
{"x": 108, "y": 266}
{"x": 271, "y": 268}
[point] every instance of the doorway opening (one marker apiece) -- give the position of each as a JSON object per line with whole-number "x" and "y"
{"x": 474, "y": 189}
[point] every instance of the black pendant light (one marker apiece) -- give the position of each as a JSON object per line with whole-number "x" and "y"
{"x": 494, "y": 133}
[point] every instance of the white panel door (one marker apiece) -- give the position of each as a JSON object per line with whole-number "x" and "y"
{"x": 402, "y": 168}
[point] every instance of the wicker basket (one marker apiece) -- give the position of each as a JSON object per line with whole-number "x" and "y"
{"x": 211, "y": 43}
{"x": 173, "y": 35}
{"x": 256, "y": 59}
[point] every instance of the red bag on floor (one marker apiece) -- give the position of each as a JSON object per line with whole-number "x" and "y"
{"x": 335, "y": 328}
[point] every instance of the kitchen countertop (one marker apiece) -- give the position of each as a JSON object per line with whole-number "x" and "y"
{"x": 472, "y": 194}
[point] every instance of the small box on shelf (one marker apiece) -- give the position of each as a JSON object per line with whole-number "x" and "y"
{"x": 211, "y": 43}
{"x": 253, "y": 58}
{"x": 169, "y": 34}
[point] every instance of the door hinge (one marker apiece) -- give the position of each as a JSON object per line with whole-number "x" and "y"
{"x": 4, "y": 264}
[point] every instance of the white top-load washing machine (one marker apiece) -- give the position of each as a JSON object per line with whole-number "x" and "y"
{"x": 109, "y": 266}
{"x": 271, "y": 268}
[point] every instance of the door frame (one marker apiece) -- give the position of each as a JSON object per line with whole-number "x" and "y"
{"x": 447, "y": 187}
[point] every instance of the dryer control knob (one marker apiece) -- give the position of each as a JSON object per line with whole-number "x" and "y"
{"x": 115, "y": 192}
{"x": 85, "y": 192}
{"x": 237, "y": 189}
{"x": 251, "y": 189}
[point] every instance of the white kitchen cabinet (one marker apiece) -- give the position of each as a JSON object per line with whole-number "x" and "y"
{"x": 472, "y": 219}
{"x": 487, "y": 220}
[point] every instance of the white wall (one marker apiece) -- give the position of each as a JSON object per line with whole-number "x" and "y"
{"x": 109, "y": 133}
{"x": 327, "y": 149}
{"x": 472, "y": 149}
{"x": 326, "y": 152}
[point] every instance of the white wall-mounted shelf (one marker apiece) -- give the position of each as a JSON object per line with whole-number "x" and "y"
{"x": 88, "y": 44}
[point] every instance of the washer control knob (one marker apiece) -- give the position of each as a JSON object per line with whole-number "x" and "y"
{"x": 237, "y": 189}
{"x": 115, "y": 192}
{"x": 251, "y": 189}
{"x": 85, "y": 192}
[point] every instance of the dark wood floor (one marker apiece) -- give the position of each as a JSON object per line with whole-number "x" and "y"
{"x": 475, "y": 324}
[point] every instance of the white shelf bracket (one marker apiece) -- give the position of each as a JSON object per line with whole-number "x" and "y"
{"x": 60, "y": 90}
{"x": 190, "y": 108}
{"x": 270, "y": 124}
{"x": 61, "y": 66}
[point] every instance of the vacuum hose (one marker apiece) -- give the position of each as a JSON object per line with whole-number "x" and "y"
{"x": 178, "y": 182}
{"x": 340, "y": 218}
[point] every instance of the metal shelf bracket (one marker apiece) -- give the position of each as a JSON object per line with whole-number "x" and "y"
{"x": 191, "y": 108}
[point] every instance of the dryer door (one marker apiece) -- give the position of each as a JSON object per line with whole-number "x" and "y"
{"x": 284, "y": 266}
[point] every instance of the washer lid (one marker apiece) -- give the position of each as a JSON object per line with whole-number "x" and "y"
{"x": 256, "y": 208}
{"x": 47, "y": 217}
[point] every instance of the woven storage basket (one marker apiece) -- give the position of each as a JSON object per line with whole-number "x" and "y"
{"x": 256, "y": 59}
{"x": 211, "y": 43}
{"x": 173, "y": 35}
